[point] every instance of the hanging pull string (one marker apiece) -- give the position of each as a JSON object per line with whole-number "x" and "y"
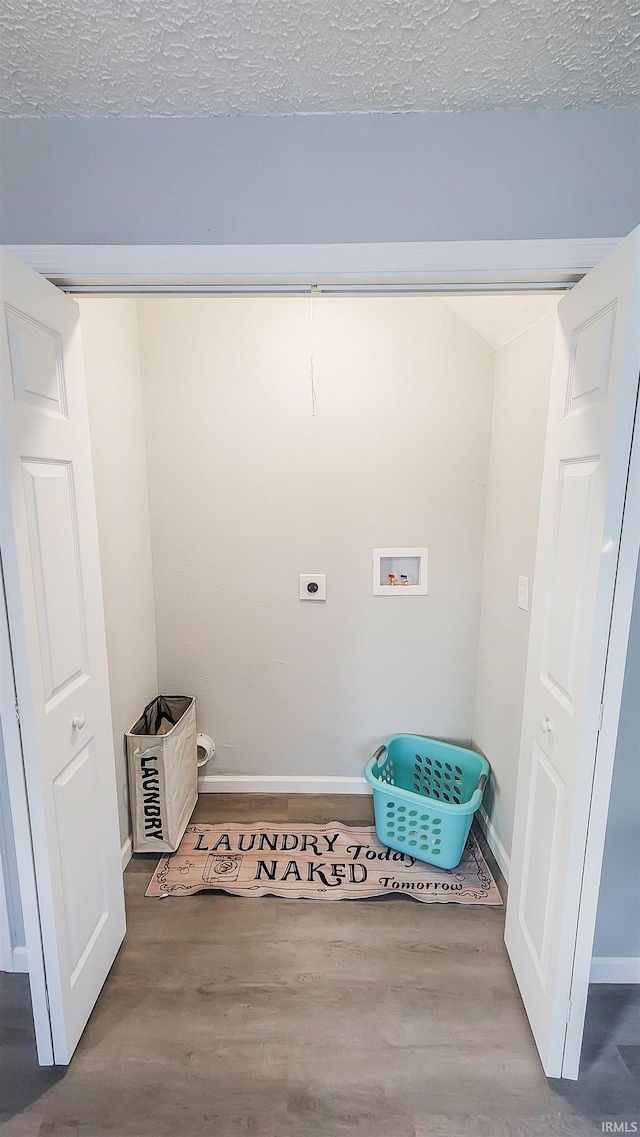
{"x": 314, "y": 291}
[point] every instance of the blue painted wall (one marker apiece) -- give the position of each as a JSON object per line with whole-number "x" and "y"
{"x": 325, "y": 178}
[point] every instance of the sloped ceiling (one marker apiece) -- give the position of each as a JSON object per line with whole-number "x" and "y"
{"x": 213, "y": 57}
{"x": 500, "y": 319}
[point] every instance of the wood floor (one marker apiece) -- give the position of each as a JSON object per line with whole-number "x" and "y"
{"x": 266, "y": 1017}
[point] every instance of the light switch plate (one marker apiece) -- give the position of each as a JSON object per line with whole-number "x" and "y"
{"x": 307, "y": 582}
{"x": 523, "y": 593}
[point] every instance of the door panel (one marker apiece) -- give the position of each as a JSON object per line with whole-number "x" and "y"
{"x": 590, "y": 359}
{"x": 53, "y": 540}
{"x": 587, "y": 454}
{"x": 77, "y": 798}
{"x": 569, "y": 554}
{"x": 36, "y": 363}
{"x": 546, "y": 799}
{"x": 56, "y": 623}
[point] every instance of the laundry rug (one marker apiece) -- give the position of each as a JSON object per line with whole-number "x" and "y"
{"x": 316, "y": 862}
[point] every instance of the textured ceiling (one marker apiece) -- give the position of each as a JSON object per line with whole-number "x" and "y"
{"x": 208, "y": 57}
{"x": 499, "y": 319}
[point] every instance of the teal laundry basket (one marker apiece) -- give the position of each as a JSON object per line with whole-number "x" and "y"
{"x": 425, "y": 794}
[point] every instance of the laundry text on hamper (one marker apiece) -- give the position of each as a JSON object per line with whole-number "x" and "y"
{"x": 151, "y": 796}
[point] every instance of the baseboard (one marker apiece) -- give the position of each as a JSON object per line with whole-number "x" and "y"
{"x": 279, "y": 784}
{"x": 494, "y": 843}
{"x": 615, "y": 969}
{"x": 20, "y": 961}
{"x": 125, "y": 853}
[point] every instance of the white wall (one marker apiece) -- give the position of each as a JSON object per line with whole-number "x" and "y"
{"x": 522, "y": 379}
{"x": 481, "y": 175}
{"x": 618, "y": 923}
{"x": 247, "y": 489}
{"x": 110, "y": 339}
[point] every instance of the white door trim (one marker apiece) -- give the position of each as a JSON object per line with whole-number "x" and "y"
{"x": 33, "y": 960}
{"x": 435, "y": 265}
{"x": 6, "y": 948}
{"x": 13, "y": 951}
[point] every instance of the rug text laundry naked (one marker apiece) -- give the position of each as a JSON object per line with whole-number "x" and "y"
{"x": 323, "y": 862}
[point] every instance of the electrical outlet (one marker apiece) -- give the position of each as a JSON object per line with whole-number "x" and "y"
{"x": 523, "y": 593}
{"x": 313, "y": 586}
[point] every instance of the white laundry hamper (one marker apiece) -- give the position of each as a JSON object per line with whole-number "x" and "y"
{"x": 162, "y": 754}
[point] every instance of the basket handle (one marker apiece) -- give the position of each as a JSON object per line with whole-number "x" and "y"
{"x": 482, "y": 781}
{"x": 143, "y": 751}
{"x": 378, "y": 754}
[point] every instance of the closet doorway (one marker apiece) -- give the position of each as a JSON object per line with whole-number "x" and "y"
{"x": 354, "y": 420}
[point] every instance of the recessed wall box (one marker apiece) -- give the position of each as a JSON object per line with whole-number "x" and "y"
{"x": 313, "y": 586}
{"x": 400, "y": 572}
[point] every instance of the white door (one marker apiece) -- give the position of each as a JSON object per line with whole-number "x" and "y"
{"x": 593, "y": 398}
{"x": 56, "y": 627}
